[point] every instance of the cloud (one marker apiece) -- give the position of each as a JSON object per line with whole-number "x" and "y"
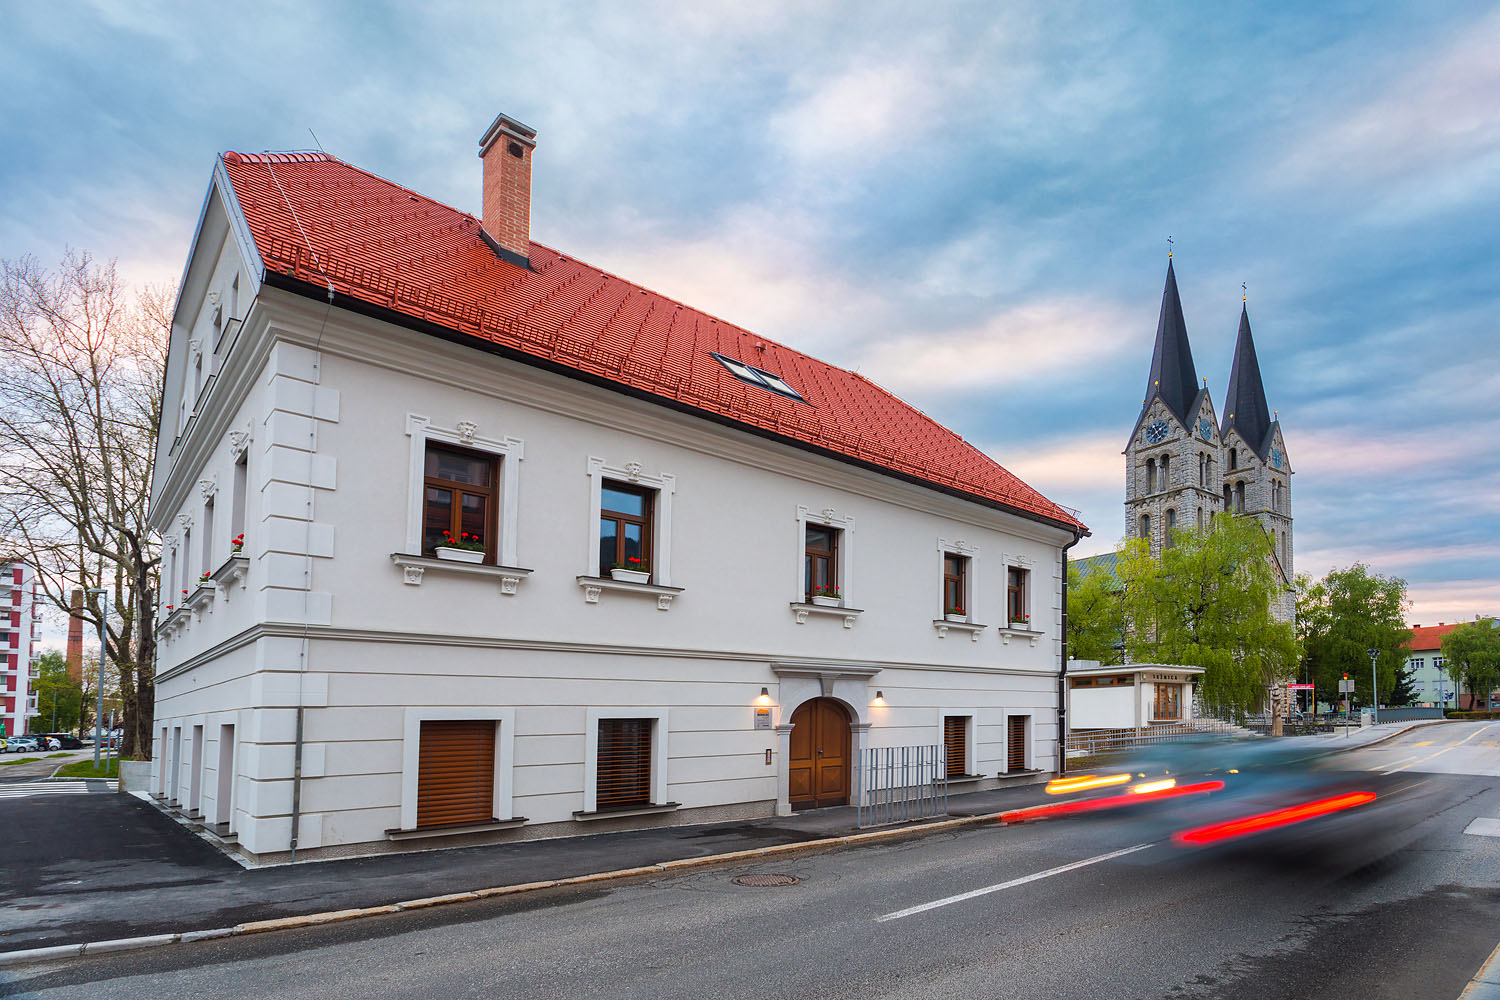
{"x": 1430, "y": 137}
{"x": 856, "y": 112}
{"x": 1019, "y": 343}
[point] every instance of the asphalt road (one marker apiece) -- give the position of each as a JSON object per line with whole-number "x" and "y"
{"x": 12, "y": 771}
{"x": 1397, "y": 903}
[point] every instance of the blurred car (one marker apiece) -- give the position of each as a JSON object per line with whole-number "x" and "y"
{"x": 22, "y": 744}
{"x": 63, "y": 741}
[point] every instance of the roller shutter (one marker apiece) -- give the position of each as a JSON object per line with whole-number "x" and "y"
{"x": 955, "y": 744}
{"x": 624, "y": 771}
{"x": 456, "y": 773}
{"x": 1015, "y": 743}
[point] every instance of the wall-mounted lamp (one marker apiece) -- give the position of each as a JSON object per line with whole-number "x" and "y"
{"x": 765, "y": 696}
{"x": 879, "y": 698}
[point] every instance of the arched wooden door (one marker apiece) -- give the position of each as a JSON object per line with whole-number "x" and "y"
{"x": 818, "y": 771}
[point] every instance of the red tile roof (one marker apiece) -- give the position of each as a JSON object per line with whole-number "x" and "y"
{"x": 1430, "y": 636}
{"x": 395, "y": 249}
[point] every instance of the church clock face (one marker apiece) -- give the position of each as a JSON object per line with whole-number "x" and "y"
{"x": 1156, "y": 433}
{"x": 1206, "y": 429}
{"x": 1276, "y": 458}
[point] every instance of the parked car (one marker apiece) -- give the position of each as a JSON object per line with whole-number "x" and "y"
{"x": 64, "y": 741}
{"x": 22, "y": 744}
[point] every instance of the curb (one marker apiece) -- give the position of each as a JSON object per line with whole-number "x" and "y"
{"x": 1486, "y": 979}
{"x": 56, "y": 952}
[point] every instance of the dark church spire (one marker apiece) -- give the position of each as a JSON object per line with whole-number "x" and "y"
{"x": 1245, "y": 406}
{"x": 1173, "y": 377}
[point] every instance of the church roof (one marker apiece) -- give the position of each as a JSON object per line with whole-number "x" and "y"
{"x": 1173, "y": 376}
{"x": 1245, "y": 407}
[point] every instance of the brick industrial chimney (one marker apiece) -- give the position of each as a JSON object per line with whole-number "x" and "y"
{"x": 75, "y": 638}
{"x": 506, "y": 148}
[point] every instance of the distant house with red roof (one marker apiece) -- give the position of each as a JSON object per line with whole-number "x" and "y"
{"x": 1424, "y": 658}
{"x": 467, "y": 540}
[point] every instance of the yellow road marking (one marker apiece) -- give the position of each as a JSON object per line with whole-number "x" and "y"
{"x": 1442, "y": 751}
{"x": 1424, "y": 743}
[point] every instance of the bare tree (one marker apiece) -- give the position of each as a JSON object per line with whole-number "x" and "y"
{"x": 82, "y": 365}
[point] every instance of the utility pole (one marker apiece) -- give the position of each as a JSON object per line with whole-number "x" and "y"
{"x": 103, "y": 652}
{"x": 1374, "y": 687}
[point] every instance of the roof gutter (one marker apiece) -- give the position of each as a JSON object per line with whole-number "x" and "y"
{"x": 308, "y": 290}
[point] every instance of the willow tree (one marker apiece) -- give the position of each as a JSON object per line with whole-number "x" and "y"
{"x": 1206, "y": 601}
{"x": 81, "y": 372}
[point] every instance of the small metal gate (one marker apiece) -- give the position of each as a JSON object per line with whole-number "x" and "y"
{"x": 898, "y": 784}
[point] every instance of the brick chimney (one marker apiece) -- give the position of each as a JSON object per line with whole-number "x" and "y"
{"x": 506, "y": 148}
{"x": 75, "y": 638}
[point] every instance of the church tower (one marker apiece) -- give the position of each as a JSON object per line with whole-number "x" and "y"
{"x": 1257, "y": 478}
{"x": 1174, "y": 475}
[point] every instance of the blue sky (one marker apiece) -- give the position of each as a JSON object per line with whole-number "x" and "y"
{"x": 967, "y": 203}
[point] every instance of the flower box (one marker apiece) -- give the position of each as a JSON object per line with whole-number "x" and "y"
{"x": 955, "y": 617}
{"x": 824, "y": 601}
{"x": 459, "y": 555}
{"x": 630, "y": 575}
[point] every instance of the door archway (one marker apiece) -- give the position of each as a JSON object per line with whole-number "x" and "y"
{"x": 818, "y": 762}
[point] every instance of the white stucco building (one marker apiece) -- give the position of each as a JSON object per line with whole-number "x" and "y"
{"x": 355, "y": 369}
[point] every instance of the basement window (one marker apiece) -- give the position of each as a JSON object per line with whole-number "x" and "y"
{"x": 754, "y": 376}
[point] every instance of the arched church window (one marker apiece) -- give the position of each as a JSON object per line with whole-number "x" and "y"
{"x": 1171, "y": 524}
{"x": 1146, "y": 526}
{"x": 1150, "y": 475}
{"x": 1234, "y": 458}
{"x": 1239, "y": 498}
{"x": 1202, "y": 469}
{"x": 1200, "y": 518}
{"x": 1227, "y": 500}
{"x": 1166, "y": 473}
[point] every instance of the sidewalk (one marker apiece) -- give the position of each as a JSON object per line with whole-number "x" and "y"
{"x": 99, "y": 867}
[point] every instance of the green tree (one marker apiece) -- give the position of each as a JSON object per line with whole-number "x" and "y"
{"x": 58, "y": 697}
{"x": 1207, "y": 601}
{"x": 1473, "y": 655}
{"x": 1343, "y": 616}
{"x": 1096, "y": 617}
{"x": 1406, "y": 688}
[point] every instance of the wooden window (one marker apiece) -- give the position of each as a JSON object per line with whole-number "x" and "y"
{"x": 623, "y": 777}
{"x": 821, "y": 566}
{"x": 955, "y": 584}
{"x": 1168, "y": 701}
{"x": 625, "y": 516}
{"x": 1015, "y": 596}
{"x": 459, "y": 497}
{"x": 956, "y": 744}
{"x": 456, "y": 773}
{"x": 1015, "y": 743}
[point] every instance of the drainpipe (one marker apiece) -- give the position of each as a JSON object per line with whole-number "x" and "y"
{"x": 1062, "y": 668}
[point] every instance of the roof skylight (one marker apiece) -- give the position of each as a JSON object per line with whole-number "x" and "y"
{"x": 754, "y": 376}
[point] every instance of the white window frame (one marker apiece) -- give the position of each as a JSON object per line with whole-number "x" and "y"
{"x": 828, "y": 517}
{"x": 632, "y": 473}
{"x": 1028, "y": 588}
{"x": 659, "y": 743}
{"x": 411, "y": 754}
{"x": 959, "y": 547}
{"x": 970, "y": 732}
{"x": 509, "y": 450}
{"x": 1028, "y": 741}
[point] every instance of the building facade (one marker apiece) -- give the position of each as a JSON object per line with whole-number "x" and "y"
{"x": 20, "y": 628}
{"x": 1183, "y": 464}
{"x": 470, "y": 541}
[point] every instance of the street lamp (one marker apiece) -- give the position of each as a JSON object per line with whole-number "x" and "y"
{"x": 1374, "y": 687}
{"x": 103, "y": 649}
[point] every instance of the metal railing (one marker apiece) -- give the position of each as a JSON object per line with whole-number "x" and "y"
{"x": 1105, "y": 740}
{"x": 899, "y": 784}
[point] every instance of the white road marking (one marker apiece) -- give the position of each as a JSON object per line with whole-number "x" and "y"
{"x": 1455, "y": 746}
{"x": 924, "y": 907}
{"x": 24, "y": 788}
{"x": 1484, "y": 827}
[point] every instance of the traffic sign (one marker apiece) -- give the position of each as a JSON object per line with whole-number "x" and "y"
{"x": 1299, "y": 687}
{"x": 1346, "y": 687}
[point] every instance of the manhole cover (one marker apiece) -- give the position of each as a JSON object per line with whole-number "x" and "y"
{"x": 765, "y": 881}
